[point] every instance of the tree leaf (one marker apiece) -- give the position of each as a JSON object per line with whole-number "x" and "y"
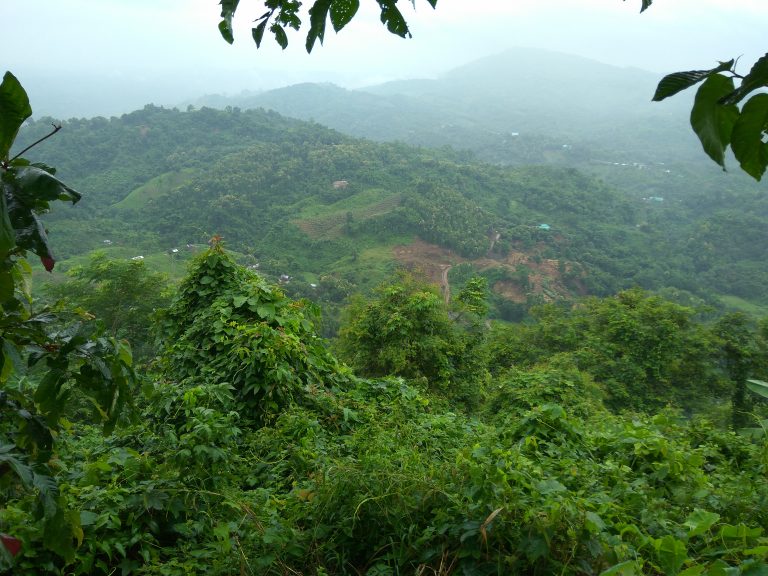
{"x": 757, "y": 78}
{"x": 280, "y": 36}
{"x": 393, "y": 19}
{"x": 317, "y": 17}
{"x": 758, "y": 387}
{"x": 225, "y": 28}
{"x": 747, "y": 137}
{"x": 7, "y": 235}
{"x": 694, "y": 570}
{"x": 14, "y": 109}
{"x": 699, "y": 521}
{"x": 594, "y": 523}
{"x": 34, "y": 184}
{"x": 228, "y": 9}
{"x": 713, "y": 122}
{"x": 679, "y": 81}
{"x": 342, "y": 12}
{"x": 258, "y": 32}
{"x": 59, "y": 534}
{"x": 671, "y": 553}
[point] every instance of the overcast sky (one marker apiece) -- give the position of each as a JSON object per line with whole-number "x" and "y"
{"x": 108, "y": 56}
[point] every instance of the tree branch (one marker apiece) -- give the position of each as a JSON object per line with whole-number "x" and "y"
{"x": 56, "y": 128}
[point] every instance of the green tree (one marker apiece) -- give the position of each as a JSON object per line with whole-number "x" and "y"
{"x": 406, "y": 331}
{"x": 227, "y": 325}
{"x": 47, "y": 357}
{"x": 123, "y": 294}
{"x": 736, "y": 338}
{"x": 645, "y": 351}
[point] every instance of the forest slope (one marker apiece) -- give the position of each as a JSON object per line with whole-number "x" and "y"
{"x": 308, "y": 202}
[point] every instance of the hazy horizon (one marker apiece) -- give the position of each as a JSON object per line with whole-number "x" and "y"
{"x": 110, "y": 57}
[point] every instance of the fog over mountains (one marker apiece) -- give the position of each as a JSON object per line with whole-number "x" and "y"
{"x": 489, "y": 105}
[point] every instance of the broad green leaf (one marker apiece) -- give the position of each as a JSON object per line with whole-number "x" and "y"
{"x": 550, "y": 486}
{"x": 14, "y": 109}
{"x": 594, "y": 523}
{"x": 753, "y": 567}
{"x": 15, "y": 462}
{"x": 228, "y": 9}
{"x": 432, "y": 3}
{"x": 225, "y": 28}
{"x": 238, "y": 301}
{"x": 258, "y": 32}
{"x": 317, "y": 16}
{"x": 7, "y": 234}
{"x": 674, "y": 83}
{"x": 87, "y": 518}
{"x": 740, "y": 531}
{"x": 671, "y": 554}
{"x": 700, "y": 521}
{"x": 720, "y": 568}
{"x": 59, "y": 533}
{"x": 280, "y": 36}
{"x": 747, "y": 137}
{"x": 342, "y": 11}
{"x": 758, "y": 387}
{"x": 757, "y": 78}
{"x": 266, "y": 311}
{"x": 756, "y": 551}
{"x": 34, "y": 184}
{"x": 393, "y": 18}
{"x": 713, "y": 122}
{"x": 10, "y": 360}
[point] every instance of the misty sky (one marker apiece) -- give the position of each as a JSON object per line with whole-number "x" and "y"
{"x": 103, "y": 57}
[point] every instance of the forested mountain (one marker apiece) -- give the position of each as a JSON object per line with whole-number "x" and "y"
{"x": 159, "y": 179}
{"x": 208, "y": 425}
{"x": 520, "y": 106}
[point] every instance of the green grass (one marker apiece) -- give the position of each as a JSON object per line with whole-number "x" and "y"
{"x": 351, "y": 203}
{"x": 318, "y": 221}
{"x": 155, "y": 188}
{"x": 373, "y": 265}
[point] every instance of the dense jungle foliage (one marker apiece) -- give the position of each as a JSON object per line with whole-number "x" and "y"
{"x": 595, "y": 440}
{"x": 158, "y": 179}
{"x": 615, "y": 431}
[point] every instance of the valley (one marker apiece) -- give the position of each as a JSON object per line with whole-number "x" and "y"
{"x": 503, "y": 321}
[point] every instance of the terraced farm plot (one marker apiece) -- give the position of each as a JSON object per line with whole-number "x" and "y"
{"x": 331, "y": 225}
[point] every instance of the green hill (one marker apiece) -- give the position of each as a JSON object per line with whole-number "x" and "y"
{"x": 158, "y": 179}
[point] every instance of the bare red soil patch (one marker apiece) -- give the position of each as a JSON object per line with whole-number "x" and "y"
{"x": 433, "y": 263}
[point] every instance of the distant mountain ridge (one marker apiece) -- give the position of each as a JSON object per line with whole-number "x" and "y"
{"x": 546, "y": 99}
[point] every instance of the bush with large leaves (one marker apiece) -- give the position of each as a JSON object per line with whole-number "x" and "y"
{"x": 47, "y": 357}
{"x": 228, "y": 325}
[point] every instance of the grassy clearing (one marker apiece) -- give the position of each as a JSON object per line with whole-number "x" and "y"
{"x": 373, "y": 265}
{"x": 318, "y": 221}
{"x": 356, "y": 201}
{"x": 155, "y": 188}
